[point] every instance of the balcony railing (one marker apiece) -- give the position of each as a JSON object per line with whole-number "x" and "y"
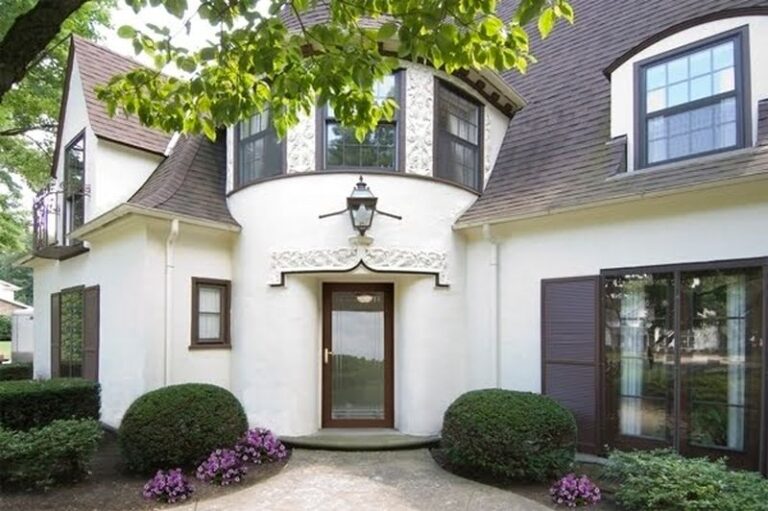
{"x": 49, "y": 221}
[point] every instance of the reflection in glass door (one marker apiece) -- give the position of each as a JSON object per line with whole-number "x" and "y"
{"x": 683, "y": 353}
{"x": 357, "y": 355}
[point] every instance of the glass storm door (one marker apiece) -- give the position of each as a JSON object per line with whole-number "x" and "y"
{"x": 357, "y": 355}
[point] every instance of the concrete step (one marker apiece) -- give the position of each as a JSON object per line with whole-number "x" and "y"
{"x": 363, "y": 439}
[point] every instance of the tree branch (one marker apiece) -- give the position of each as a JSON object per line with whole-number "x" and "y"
{"x": 12, "y": 132}
{"x": 29, "y": 35}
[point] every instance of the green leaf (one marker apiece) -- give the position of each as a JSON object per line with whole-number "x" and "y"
{"x": 126, "y": 32}
{"x": 546, "y": 22}
{"x": 386, "y": 31}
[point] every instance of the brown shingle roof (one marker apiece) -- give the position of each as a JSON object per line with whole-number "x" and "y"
{"x": 97, "y": 66}
{"x": 556, "y": 152}
{"x": 191, "y": 181}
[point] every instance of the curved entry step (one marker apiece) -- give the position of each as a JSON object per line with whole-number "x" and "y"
{"x": 363, "y": 439}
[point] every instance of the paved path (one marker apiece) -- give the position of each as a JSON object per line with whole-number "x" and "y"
{"x": 360, "y": 481}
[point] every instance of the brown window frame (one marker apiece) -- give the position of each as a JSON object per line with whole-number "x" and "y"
{"x": 224, "y": 340}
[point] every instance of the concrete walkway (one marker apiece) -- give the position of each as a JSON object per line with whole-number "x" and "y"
{"x": 358, "y": 481}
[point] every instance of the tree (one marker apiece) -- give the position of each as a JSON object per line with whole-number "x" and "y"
{"x": 258, "y": 63}
{"x": 29, "y": 109}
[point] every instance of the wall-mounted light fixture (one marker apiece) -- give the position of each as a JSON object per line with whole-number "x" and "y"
{"x": 361, "y": 205}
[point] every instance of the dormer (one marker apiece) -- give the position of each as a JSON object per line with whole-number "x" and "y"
{"x": 690, "y": 93}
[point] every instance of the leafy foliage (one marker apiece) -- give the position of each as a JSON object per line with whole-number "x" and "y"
{"x": 38, "y": 458}
{"x": 5, "y": 328}
{"x": 257, "y": 62}
{"x": 34, "y": 403}
{"x": 179, "y": 425}
{"x": 15, "y": 371}
{"x": 29, "y": 115}
{"x": 518, "y": 435}
{"x": 664, "y": 480}
{"x": 17, "y": 275}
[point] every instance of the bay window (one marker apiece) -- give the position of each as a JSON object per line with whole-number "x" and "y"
{"x": 458, "y": 137}
{"x": 259, "y": 154}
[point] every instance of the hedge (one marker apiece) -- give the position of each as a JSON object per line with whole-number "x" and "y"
{"x": 15, "y": 371}
{"x": 35, "y": 403}
{"x": 647, "y": 481}
{"x": 514, "y": 435}
{"x": 179, "y": 426}
{"x": 41, "y": 457}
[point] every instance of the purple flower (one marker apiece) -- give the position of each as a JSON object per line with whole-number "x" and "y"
{"x": 169, "y": 487}
{"x": 223, "y": 467}
{"x": 573, "y": 491}
{"x": 260, "y": 445}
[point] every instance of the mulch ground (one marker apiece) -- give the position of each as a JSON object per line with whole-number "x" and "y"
{"x": 110, "y": 488}
{"x": 537, "y": 492}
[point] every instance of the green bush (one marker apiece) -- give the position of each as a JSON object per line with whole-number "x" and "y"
{"x": 41, "y": 457}
{"x": 647, "y": 481}
{"x": 509, "y": 434}
{"x": 16, "y": 371}
{"x": 34, "y": 403}
{"x": 178, "y": 426}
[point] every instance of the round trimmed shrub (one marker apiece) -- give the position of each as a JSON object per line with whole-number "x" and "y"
{"x": 179, "y": 426}
{"x": 503, "y": 433}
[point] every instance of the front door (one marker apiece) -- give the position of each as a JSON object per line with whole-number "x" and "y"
{"x": 357, "y": 355}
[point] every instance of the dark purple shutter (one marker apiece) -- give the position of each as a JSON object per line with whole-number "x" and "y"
{"x": 55, "y": 333}
{"x": 91, "y": 333}
{"x": 570, "y": 351}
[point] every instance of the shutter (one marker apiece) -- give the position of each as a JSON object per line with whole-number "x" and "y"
{"x": 570, "y": 351}
{"x": 55, "y": 333}
{"x": 91, "y": 333}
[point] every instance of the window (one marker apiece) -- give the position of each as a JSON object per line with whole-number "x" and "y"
{"x": 379, "y": 149}
{"x": 259, "y": 153}
{"x": 459, "y": 137}
{"x": 693, "y": 102}
{"x": 75, "y": 333}
{"x": 74, "y": 185}
{"x": 684, "y": 350}
{"x": 210, "y": 313}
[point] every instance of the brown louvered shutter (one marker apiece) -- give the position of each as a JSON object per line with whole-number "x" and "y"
{"x": 91, "y": 333}
{"x": 55, "y": 333}
{"x": 570, "y": 351}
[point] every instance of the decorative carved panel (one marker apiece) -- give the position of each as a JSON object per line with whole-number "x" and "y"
{"x": 301, "y": 145}
{"x": 419, "y": 114}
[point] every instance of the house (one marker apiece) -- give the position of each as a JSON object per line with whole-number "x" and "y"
{"x": 21, "y": 315}
{"x": 593, "y": 230}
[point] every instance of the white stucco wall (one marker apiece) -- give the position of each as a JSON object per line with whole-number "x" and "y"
{"x": 276, "y": 353}
{"x": 727, "y": 223}
{"x": 118, "y": 171}
{"x": 418, "y": 122}
{"x": 623, "y": 78}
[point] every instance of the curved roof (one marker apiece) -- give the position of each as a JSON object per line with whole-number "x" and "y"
{"x": 557, "y": 154}
{"x": 190, "y": 181}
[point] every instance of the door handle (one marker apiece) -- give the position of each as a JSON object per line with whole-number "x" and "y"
{"x": 326, "y": 354}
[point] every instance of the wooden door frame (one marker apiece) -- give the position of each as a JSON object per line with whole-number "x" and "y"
{"x": 389, "y": 355}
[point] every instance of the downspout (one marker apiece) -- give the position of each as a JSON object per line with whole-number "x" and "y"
{"x": 494, "y": 300}
{"x": 170, "y": 252}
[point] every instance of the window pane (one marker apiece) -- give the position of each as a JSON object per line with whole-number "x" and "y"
{"x": 210, "y": 299}
{"x": 458, "y": 156}
{"x": 260, "y": 154}
{"x": 74, "y": 184}
{"x": 722, "y": 55}
{"x": 677, "y": 70}
{"x": 677, "y": 94}
{"x": 657, "y": 100}
{"x": 71, "y": 343}
{"x": 656, "y": 77}
{"x": 720, "y": 354}
{"x": 639, "y": 346}
{"x": 701, "y": 63}
{"x": 701, "y": 87}
{"x": 724, "y": 81}
{"x": 209, "y": 327}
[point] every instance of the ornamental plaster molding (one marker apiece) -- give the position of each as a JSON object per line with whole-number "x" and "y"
{"x": 301, "y": 145}
{"x": 386, "y": 260}
{"x": 419, "y": 113}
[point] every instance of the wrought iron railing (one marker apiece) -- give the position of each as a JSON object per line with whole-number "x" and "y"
{"x": 45, "y": 215}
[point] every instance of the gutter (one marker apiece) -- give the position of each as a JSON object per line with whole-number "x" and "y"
{"x": 494, "y": 300}
{"x": 170, "y": 253}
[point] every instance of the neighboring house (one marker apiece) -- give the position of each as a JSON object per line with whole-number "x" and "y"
{"x": 594, "y": 230}
{"x": 21, "y": 315}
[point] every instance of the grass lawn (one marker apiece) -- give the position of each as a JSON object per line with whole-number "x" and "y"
{"x": 5, "y": 349}
{"x": 108, "y": 488}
